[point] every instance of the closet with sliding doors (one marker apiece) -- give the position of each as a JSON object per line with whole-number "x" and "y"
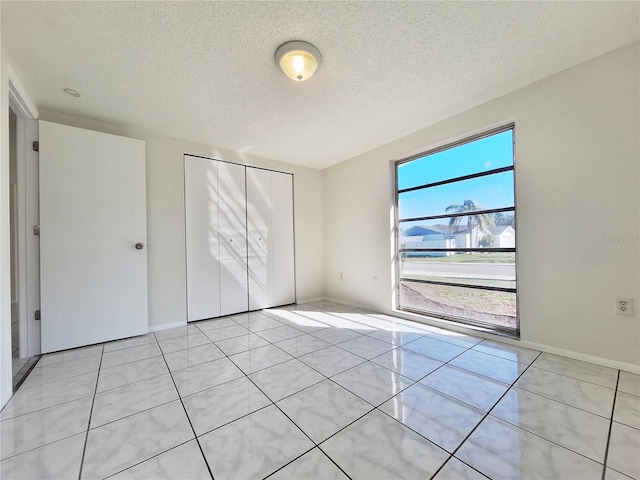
{"x": 239, "y": 238}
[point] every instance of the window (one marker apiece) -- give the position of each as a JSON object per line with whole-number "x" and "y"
{"x": 456, "y": 232}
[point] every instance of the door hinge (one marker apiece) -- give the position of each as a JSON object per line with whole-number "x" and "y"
{"x": 36, "y": 146}
{"x": 36, "y": 230}
{"x": 37, "y": 315}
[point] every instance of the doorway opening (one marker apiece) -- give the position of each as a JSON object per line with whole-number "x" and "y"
{"x": 24, "y": 245}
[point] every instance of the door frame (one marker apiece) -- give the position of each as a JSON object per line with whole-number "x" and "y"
{"x": 28, "y": 216}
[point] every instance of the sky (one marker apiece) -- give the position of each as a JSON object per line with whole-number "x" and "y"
{"x": 494, "y": 191}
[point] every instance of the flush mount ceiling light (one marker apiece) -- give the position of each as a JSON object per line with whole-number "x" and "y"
{"x": 298, "y": 60}
{"x": 72, "y": 92}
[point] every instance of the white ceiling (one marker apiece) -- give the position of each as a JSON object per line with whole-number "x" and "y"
{"x": 205, "y": 72}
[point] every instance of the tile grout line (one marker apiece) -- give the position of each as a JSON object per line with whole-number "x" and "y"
{"x": 32, "y": 449}
{"x": 613, "y": 407}
{"x": 544, "y": 438}
{"x": 528, "y": 431}
{"x": 274, "y": 403}
{"x": 576, "y": 378}
{"x": 26, "y": 388}
{"x": 132, "y": 383}
{"x": 335, "y": 314}
{"x": 45, "y": 408}
{"x": 293, "y": 460}
{"x": 112, "y": 342}
{"x": 275, "y": 344}
{"x": 120, "y": 418}
{"x": 415, "y": 382}
{"x": 451, "y": 456}
{"x": 315, "y": 445}
{"x": 240, "y": 417}
{"x": 531, "y": 365}
{"x": 93, "y": 401}
{"x": 37, "y": 364}
{"x": 318, "y": 445}
{"x": 281, "y": 411}
{"x": 467, "y": 348}
{"x": 141, "y": 411}
{"x": 348, "y": 351}
{"x": 131, "y": 414}
{"x": 282, "y": 339}
{"x": 195, "y": 436}
{"x": 560, "y": 401}
{"x": 464, "y": 440}
{"x": 329, "y": 325}
{"x": 137, "y": 359}
{"x": 147, "y": 459}
{"x": 475, "y": 350}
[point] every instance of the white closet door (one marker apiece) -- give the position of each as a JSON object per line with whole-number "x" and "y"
{"x": 93, "y": 257}
{"x": 282, "y": 281}
{"x": 259, "y": 237}
{"x": 233, "y": 238}
{"x": 203, "y": 249}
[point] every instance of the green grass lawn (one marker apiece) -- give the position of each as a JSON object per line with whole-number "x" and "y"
{"x": 468, "y": 258}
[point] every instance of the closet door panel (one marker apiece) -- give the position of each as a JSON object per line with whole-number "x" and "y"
{"x": 203, "y": 250}
{"x": 232, "y": 217}
{"x": 282, "y": 281}
{"x": 259, "y": 237}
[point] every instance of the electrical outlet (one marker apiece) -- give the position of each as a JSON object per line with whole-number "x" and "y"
{"x": 341, "y": 275}
{"x": 624, "y": 306}
{"x": 374, "y": 281}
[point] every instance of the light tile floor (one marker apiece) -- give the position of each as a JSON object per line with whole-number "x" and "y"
{"x": 319, "y": 391}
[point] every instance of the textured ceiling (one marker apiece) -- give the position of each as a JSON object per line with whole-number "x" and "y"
{"x": 204, "y": 71}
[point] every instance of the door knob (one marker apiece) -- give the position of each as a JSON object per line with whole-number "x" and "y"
{"x": 139, "y": 246}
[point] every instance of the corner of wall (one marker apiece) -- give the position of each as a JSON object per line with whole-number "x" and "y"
{"x": 577, "y": 146}
{"x": 5, "y": 267}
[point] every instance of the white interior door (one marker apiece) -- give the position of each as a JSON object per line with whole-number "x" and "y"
{"x": 283, "y": 282}
{"x": 232, "y": 219}
{"x": 92, "y": 215}
{"x": 203, "y": 247}
{"x": 259, "y": 236}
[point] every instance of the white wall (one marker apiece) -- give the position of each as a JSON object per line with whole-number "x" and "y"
{"x": 577, "y": 182}
{"x": 166, "y": 224}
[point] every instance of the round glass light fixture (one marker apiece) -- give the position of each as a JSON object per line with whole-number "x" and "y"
{"x": 298, "y": 60}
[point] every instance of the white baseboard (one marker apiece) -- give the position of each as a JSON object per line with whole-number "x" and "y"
{"x": 166, "y": 326}
{"x": 605, "y": 362}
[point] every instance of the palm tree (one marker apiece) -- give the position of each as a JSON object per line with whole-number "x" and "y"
{"x": 483, "y": 220}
